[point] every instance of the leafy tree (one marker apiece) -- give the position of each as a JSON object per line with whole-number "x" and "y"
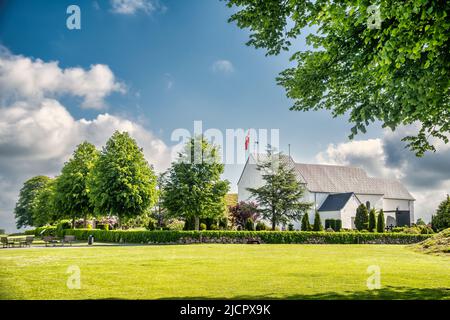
{"x": 243, "y": 211}
{"x": 380, "y": 221}
{"x": 280, "y": 198}
{"x": 441, "y": 220}
{"x": 372, "y": 220}
{"x": 71, "y": 188}
{"x": 122, "y": 183}
{"x": 396, "y": 73}
{"x": 24, "y": 207}
{"x": 306, "y": 226}
{"x": 44, "y": 209}
{"x": 317, "y": 226}
{"x": 193, "y": 188}
{"x": 362, "y": 218}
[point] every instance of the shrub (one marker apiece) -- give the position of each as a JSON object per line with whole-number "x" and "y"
{"x": 61, "y": 226}
{"x": 175, "y": 224}
{"x": 380, "y": 222}
{"x": 202, "y": 226}
{"x": 362, "y": 218}
{"x": 128, "y": 236}
{"x": 102, "y": 226}
{"x": 45, "y": 231}
{"x": 305, "y": 226}
{"x": 372, "y": 220}
{"x": 329, "y": 230}
{"x": 317, "y": 223}
{"x": 335, "y": 224}
{"x": 249, "y": 225}
{"x": 290, "y": 227}
{"x": 213, "y": 227}
{"x": 261, "y": 226}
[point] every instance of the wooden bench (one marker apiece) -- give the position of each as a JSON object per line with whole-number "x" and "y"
{"x": 50, "y": 240}
{"x": 68, "y": 239}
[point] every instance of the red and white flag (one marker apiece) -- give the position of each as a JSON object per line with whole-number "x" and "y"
{"x": 247, "y": 140}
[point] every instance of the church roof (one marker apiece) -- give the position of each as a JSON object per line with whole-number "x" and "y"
{"x": 335, "y": 202}
{"x": 343, "y": 179}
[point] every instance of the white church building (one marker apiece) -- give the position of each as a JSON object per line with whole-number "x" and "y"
{"x": 336, "y": 192}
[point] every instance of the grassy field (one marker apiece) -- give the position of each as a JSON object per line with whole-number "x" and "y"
{"x": 224, "y": 271}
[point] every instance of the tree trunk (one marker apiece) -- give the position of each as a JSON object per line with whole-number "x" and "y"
{"x": 73, "y": 223}
{"x": 197, "y": 223}
{"x": 273, "y": 224}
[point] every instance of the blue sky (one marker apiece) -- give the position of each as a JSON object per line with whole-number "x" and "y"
{"x": 165, "y": 59}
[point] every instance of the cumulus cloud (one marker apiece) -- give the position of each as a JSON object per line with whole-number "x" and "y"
{"x": 130, "y": 7}
{"x": 427, "y": 178}
{"x": 38, "y": 134}
{"x": 223, "y": 66}
{"x": 22, "y": 78}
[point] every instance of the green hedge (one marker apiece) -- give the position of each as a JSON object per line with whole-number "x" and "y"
{"x": 229, "y": 236}
{"x": 42, "y": 231}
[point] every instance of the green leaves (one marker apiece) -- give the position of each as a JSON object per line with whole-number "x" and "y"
{"x": 280, "y": 198}
{"x": 122, "y": 183}
{"x": 192, "y": 187}
{"x": 398, "y": 75}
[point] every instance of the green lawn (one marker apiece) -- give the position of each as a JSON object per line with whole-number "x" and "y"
{"x": 223, "y": 271}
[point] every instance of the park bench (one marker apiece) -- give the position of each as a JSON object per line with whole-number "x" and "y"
{"x": 27, "y": 241}
{"x": 50, "y": 240}
{"x": 68, "y": 239}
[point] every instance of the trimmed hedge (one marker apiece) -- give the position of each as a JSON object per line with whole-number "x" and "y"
{"x": 42, "y": 231}
{"x": 155, "y": 237}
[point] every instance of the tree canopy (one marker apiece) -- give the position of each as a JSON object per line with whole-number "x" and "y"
{"x": 362, "y": 218}
{"x": 193, "y": 187}
{"x": 122, "y": 183}
{"x": 441, "y": 220}
{"x": 71, "y": 188}
{"x": 280, "y": 198}
{"x": 24, "y": 207}
{"x": 44, "y": 209}
{"x": 396, "y": 72}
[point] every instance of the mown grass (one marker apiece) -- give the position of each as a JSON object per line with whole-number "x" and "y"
{"x": 224, "y": 271}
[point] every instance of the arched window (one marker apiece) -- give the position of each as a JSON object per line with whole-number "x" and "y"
{"x": 368, "y": 205}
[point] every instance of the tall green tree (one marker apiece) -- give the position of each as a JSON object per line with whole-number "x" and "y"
{"x": 193, "y": 188}
{"x": 372, "y": 225}
{"x": 362, "y": 218}
{"x": 122, "y": 183}
{"x": 389, "y": 63}
{"x": 380, "y": 221}
{"x": 71, "y": 188}
{"x": 306, "y": 226}
{"x": 44, "y": 209}
{"x": 24, "y": 207}
{"x": 317, "y": 226}
{"x": 280, "y": 198}
{"x": 441, "y": 220}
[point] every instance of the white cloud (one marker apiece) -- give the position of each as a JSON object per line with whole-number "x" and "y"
{"x": 22, "y": 78}
{"x": 223, "y": 66}
{"x": 130, "y": 7}
{"x": 427, "y": 178}
{"x": 38, "y": 134}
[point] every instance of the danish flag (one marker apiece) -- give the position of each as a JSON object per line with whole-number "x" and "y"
{"x": 247, "y": 140}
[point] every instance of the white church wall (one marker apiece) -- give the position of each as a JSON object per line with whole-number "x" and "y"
{"x": 349, "y": 212}
{"x": 376, "y": 201}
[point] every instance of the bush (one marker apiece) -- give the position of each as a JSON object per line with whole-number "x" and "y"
{"x": 249, "y": 225}
{"x": 290, "y": 227}
{"x": 202, "y": 226}
{"x": 101, "y": 226}
{"x": 45, "y": 231}
{"x": 61, "y": 226}
{"x": 261, "y": 226}
{"x": 372, "y": 220}
{"x": 362, "y": 218}
{"x": 305, "y": 226}
{"x": 335, "y": 224}
{"x": 213, "y": 227}
{"x": 317, "y": 223}
{"x": 128, "y": 236}
{"x": 380, "y": 222}
{"x": 329, "y": 230}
